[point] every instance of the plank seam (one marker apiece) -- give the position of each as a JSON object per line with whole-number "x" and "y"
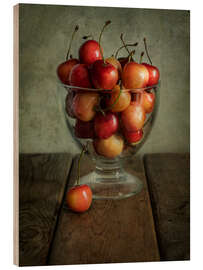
{"x": 58, "y": 215}
{"x": 151, "y": 203}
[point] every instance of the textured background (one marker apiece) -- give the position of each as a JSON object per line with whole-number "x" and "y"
{"x": 44, "y": 35}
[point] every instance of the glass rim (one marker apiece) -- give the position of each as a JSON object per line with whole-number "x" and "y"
{"x": 81, "y": 89}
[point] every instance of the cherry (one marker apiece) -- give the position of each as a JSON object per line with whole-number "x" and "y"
{"x": 64, "y": 68}
{"x": 153, "y": 71}
{"x": 79, "y": 197}
{"x": 147, "y": 100}
{"x": 105, "y": 125}
{"x": 119, "y": 99}
{"x": 89, "y": 52}
{"x": 133, "y": 137}
{"x": 111, "y": 147}
{"x": 113, "y": 61}
{"x": 133, "y": 117}
{"x": 79, "y": 76}
{"x": 103, "y": 74}
{"x": 153, "y": 74}
{"x": 84, "y": 104}
{"x": 84, "y": 130}
{"x": 135, "y": 76}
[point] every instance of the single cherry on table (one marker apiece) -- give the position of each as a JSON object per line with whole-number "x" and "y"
{"x": 79, "y": 197}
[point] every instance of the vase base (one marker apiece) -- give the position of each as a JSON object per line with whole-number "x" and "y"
{"x": 113, "y": 186}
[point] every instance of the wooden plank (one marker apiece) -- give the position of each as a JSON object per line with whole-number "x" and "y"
{"x": 110, "y": 232}
{"x": 42, "y": 184}
{"x": 169, "y": 184}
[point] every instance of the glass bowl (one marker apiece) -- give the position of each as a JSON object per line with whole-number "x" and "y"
{"x": 110, "y": 179}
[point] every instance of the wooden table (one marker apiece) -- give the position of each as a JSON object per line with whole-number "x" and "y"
{"x": 151, "y": 226}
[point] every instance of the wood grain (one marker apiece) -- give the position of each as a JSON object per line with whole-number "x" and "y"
{"x": 42, "y": 183}
{"x": 110, "y": 232}
{"x": 169, "y": 184}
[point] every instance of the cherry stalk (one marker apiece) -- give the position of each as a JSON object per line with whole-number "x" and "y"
{"x": 130, "y": 56}
{"x": 124, "y": 44}
{"x": 145, "y": 44}
{"x": 89, "y": 36}
{"x": 128, "y": 45}
{"x": 74, "y": 32}
{"x": 104, "y": 75}
{"x": 141, "y": 56}
{"x": 84, "y": 149}
{"x": 101, "y": 51}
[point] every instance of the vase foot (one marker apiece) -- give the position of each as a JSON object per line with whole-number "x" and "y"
{"x": 117, "y": 185}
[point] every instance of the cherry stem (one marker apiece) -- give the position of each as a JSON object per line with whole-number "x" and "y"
{"x": 128, "y": 45}
{"x": 79, "y": 160}
{"x": 141, "y": 56}
{"x": 115, "y": 101}
{"x": 130, "y": 56}
{"x": 145, "y": 44}
{"x": 121, "y": 37}
{"x": 98, "y": 108}
{"x": 75, "y": 30}
{"x": 89, "y": 36}
{"x": 106, "y": 23}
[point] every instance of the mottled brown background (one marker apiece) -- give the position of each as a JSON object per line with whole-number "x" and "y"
{"x": 44, "y": 34}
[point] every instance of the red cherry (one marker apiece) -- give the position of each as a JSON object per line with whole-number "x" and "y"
{"x": 79, "y": 76}
{"x": 113, "y": 61}
{"x": 147, "y": 100}
{"x": 133, "y": 117}
{"x": 89, "y": 52}
{"x": 153, "y": 71}
{"x": 153, "y": 74}
{"x": 135, "y": 75}
{"x": 64, "y": 69}
{"x": 79, "y": 198}
{"x": 103, "y": 75}
{"x": 84, "y": 130}
{"x": 105, "y": 125}
{"x": 133, "y": 137}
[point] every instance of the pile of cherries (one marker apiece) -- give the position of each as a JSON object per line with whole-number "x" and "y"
{"x": 112, "y": 116}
